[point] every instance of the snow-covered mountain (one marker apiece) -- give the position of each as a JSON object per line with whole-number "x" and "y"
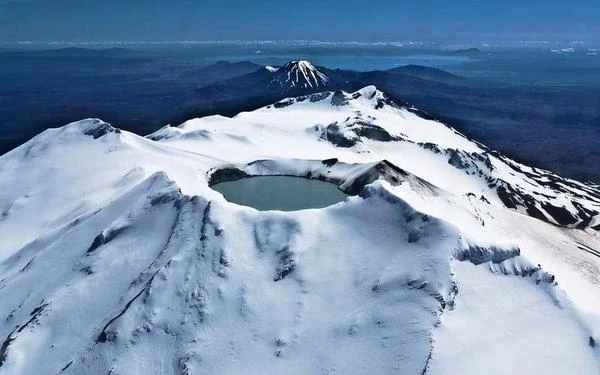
{"x": 298, "y": 74}
{"x": 117, "y": 257}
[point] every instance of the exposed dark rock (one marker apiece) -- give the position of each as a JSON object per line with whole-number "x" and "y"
{"x": 276, "y": 237}
{"x": 165, "y": 198}
{"x": 226, "y": 174}
{"x": 66, "y": 366}
{"x": 98, "y": 241}
{"x": 452, "y": 295}
{"x": 413, "y": 236}
{"x": 100, "y": 129}
{"x": 372, "y": 131}
{"x": 287, "y": 263}
{"x": 588, "y": 249}
{"x": 478, "y": 255}
{"x": 205, "y": 222}
{"x": 339, "y": 98}
{"x": 431, "y": 147}
{"x": 104, "y": 238}
{"x": 175, "y": 225}
{"x": 319, "y": 96}
{"x": 35, "y": 313}
{"x": 88, "y": 270}
{"x": 349, "y": 133}
{"x": 426, "y": 366}
{"x": 515, "y": 198}
{"x": 456, "y": 159}
{"x": 505, "y": 193}
{"x": 335, "y": 135}
{"x": 27, "y": 265}
{"x": 330, "y": 162}
{"x": 533, "y": 211}
{"x": 560, "y": 214}
{"x": 284, "y": 103}
{"x": 4, "y": 347}
{"x": 109, "y": 336}
{"x": 382, "y": 170}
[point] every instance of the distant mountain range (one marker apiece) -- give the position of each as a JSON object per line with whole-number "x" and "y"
{"x": 144, "y": 90}
{"x": 301, "y": 77}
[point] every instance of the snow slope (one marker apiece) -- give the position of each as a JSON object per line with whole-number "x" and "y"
{"x": 117, "y": 257}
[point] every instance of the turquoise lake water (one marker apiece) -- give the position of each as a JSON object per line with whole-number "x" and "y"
{"x": 283, "y": 193}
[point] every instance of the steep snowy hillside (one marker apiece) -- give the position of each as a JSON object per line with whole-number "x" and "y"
{"x": 117, "y": 257}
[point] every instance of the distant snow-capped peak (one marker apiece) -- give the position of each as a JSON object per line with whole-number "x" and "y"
{"x": 298, "y": 74}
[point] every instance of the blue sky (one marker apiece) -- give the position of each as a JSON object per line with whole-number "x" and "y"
{"x": 350, "y": 20}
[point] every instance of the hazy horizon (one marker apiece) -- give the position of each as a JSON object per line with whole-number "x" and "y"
{"x": 464, "y": 22}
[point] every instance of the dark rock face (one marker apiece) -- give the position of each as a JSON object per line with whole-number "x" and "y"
{"x": 478, "y": 255}
{"x": 277, "y": 238}
{"x": 100, "y": 129}
{"x": 562, "y": 216}
{"x": 104, "y": 238}
{"x": 339, "y": 98}
{"x": 318, "y": 96}
{"x": 34, "y": 318}
{"x": 456, "y": 160}
{"x": 496, "y": 256}
{"x": 287, "y": 263}
{"x": 383, "y": 170}
{"x": 539, "y": 205}
{"x": 98, "y": 241}
{"x": 431, "y": 147}
{"x": 374, "y": 132}
{"x": 350, "y": 132}
{"x": 335, "y": 135}
{"x": 165, "y": 198}
{"x": 507, "y": 196}
{"x": 516, "y": 198}
{"x": 471, "y": 162}
{"x": 284, "y": 103}
{"x": 4, "y": 348}
{"x": 226, "y": 174}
